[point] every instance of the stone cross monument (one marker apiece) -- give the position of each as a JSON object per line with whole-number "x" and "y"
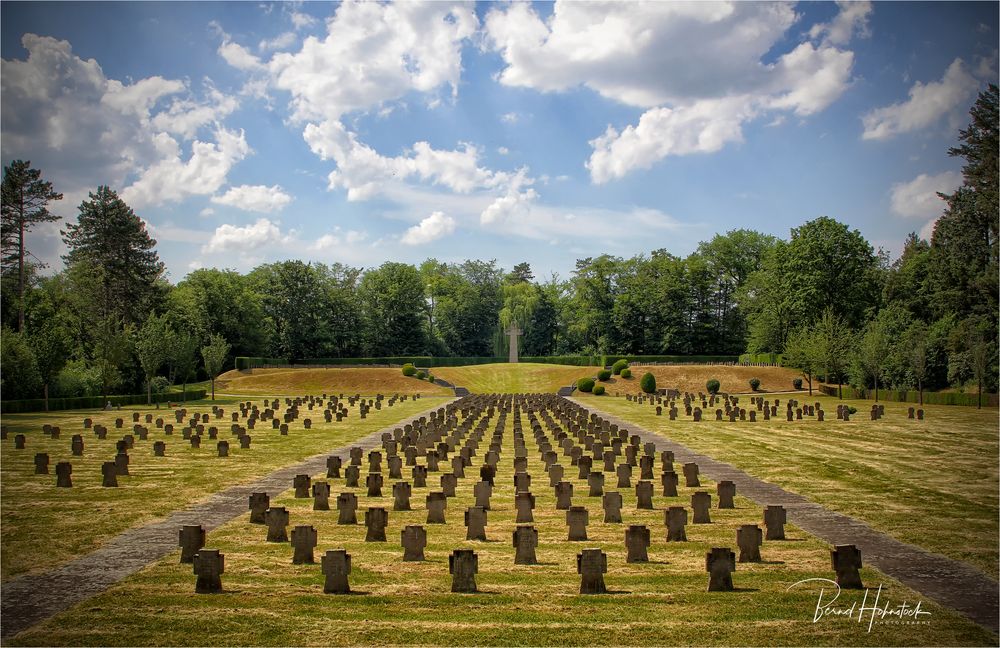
{"x": 513, "y": 331}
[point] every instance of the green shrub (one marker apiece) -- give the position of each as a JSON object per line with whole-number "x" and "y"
{"x": 585, "y": 384}
{"x": 648, "y": 383}
{"x": 598, "y": 390}
{"x": 421, "y": 375}
{"x": 604, "y": 374}
{"x": 409, "y": 369}
{"x": 852, "y": 410}
{"x": 712, "y": 386}
{"x": 755, "y": 384}
{"x": 159, "y": 384}
{"x": 797, "y": 383}
{"x": 626, "y": 373}
{"x": 617, "y": 367}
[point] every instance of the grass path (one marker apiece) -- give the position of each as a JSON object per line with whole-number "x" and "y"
{"x": 270, "y": 601}
{"x": 74, "y": 521}
{"x": 520, "y": 378}
{"x": 932, "y": 483}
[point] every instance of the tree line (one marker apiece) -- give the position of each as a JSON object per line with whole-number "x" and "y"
{"x": 838, "y": 309}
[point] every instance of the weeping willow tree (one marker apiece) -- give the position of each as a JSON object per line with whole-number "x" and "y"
{"x": 519, "y": 302}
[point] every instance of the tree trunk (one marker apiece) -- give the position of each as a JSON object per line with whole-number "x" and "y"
{"x": 920, "y": 388}
{"x": 979, "y": 402}
{"x": 20, "y": 271}
{"x": 840, "y": 389}
{"x": 184, "y": 392}
{"x": 213, "y": 388}
{"x": 149, "y": 390}
{"x": 46, "y": 388}
{"x": 876, "y": 389}
{"x": 810, "y": 376}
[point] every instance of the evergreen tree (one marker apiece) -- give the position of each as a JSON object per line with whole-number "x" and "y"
{"x": 25, "y": 197}
{"x": 109, "y": 235}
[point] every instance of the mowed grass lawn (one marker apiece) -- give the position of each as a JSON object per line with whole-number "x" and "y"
{"x": 519, "y": 378}
{"x": 360, "y": 380}
{"x": 70, "y": 522}
{"x": 932, "y": 483}
{"x": 270, "y": 601}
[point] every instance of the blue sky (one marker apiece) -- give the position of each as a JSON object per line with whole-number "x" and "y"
{"x": 245, "y": 133}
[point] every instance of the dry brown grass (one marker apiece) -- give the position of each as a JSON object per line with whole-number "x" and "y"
{"x": 366, "y": 380}
{"x": 692, "y": 378}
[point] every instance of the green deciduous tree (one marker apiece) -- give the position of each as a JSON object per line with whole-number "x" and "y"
{"x": 50, "y": 347}
{"x": 873, "y": 351}
{"x": 214, "y": 354}
{"x": 19, "y": 378}
{"x": 802, "y": 350}
{"x": 392, "y": 297}
{"x": 25, "y": 199}
{"x": 154, "y": 342}
{"x": 183, "y": 359}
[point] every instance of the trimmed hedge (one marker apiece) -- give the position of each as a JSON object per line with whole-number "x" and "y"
{"x": 909, "y": 396}
{"x": 755, "y": 384}
{"x": 409, "y": 369}
{"x": 93, "y": 402}
{"x": 609, "y": 360}
{"x": 648, "y": 383}
{"x": 618, "y": 366}
{"x": 797, "y": 383}
{"x": 598, "y": 390}
{"x": 585, "y": 384}
{"x": 626, "y": 373}
{"x": 604, "y": 374}
{"x": 712, "y": 386}
{"x": 243, "y": 362}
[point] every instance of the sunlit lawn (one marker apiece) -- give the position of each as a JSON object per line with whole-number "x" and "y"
{"x": 932, "y": 483}
{"x": 269, "y": 601}
{"x": 520, "y": 378}
{"x": 70, "y": 522}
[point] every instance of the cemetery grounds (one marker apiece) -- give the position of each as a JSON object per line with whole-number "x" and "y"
{"x": 932, "y": 483}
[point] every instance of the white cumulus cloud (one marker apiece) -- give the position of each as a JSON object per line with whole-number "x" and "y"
{"x": 429, "y": 229}
{"x": 257, "y": 198}
{"x": 231, "y": 238}
{"x": 851, "y": 19}
{"x": 919, "y": 198}
{"x": 928, "y": 102}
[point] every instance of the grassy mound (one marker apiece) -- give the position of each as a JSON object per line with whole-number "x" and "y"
{"x": 506, "y": 378}
{"x": 361, "y": 380}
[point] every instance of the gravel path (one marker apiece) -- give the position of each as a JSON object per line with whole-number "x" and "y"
{"x": 949, "y": 582}
{"x": 30, "y": 599}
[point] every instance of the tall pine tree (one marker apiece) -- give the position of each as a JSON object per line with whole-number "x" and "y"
{"x": 111, "y": 240}
{"x": 25, "y": 197}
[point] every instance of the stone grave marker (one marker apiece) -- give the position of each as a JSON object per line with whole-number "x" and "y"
{"x": 436, "y": 505}
{"x": 413, "y": 539}
{"x": 596, "y": 482}
{"x": 276, "y": 519}
{"x": 463, "y": 564}
{"x": 577, "y": 519}
{"x": 347, "y": 508}
{"x": 592, "y": 564}
{"x": 749, "y": 537}
{"x": 209, "y": 565}
{"x": 109, "y": 469}
{"x": 191, "y": 539}
{"x": 303, "y": 542}
{"x": 419, "y": 476}
{"x": 374, "y": 483}
{"x": 555, "y": 474}
{"x": 483, "y": 491}
{"x": 525, "y": 542}
{"x": 41, "y": 463}
{"x": 676, "y": 518}
{"x": 321, "y": 496}
{"x": 612, "y": 502}
{"x": 376, "y": 520}
{"x": 701, "y": 502}
{"x": 258, "y": 504}
{"x": 336, "y": 566}
{"x": 644, "y": 495}
{"x": 691, "y": 475}
{"x": 846, "y": 563}
{"x": 76, "y": 445}
{"x": 774, "y": 521}
{"x": 636, "y": 543}
{"x": 524, "y": 503}
{"x": 63, "y": 471}
{"x": 564, "y": 495}
{"x": 669, "y": 481}
{"x": 726, "y": 491}
{"x": 720, "y": 563}
{"x": 333, "y": 465}
{"x": 475, "y": 522}
{"x": 301, "y": 484}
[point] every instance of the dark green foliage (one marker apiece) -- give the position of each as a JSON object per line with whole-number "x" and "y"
{"x": 91, "y": 402}
{"x": 852, "y": 410}
{"x": 392, "y": 297}
{"x": 24, "y": 204}
{"x": 647, "y": 383}
{"x": 604, "y": 374}
{"x": 797, "y": 383}
{"x": 113, "y": 243}
{"x": 421, "y": 375}
{"x": 755, "y": 384}
{"x": 585, "y": 384}
{"x": 626, "y": 373}
{"x": 20, "y": 377}
{"x": 409, "y": 370}
{"x": 617, "y": 367}
{"x": 598, "y": 390}
{"x": 712, "y": 386}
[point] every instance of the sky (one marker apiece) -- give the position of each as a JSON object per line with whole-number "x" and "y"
{"x": 244, "y": 133}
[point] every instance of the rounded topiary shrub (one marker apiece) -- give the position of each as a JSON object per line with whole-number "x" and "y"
{"x": 648, "y": 383}
{"x": 797, "y": 383}
{"x": 755, "y": 384}
{"x": 585, "y": 384}
{"x": 852, "y": 410}
{"x": 421, "y": 375}
{"x": 712, "y": 386}
{"x": 598, "y": 390}
{"x": 604, "y": 374}
{"x": 626, "y": 373}
{"x": 409, "y": 369}
{"x": 617, "y": 367}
